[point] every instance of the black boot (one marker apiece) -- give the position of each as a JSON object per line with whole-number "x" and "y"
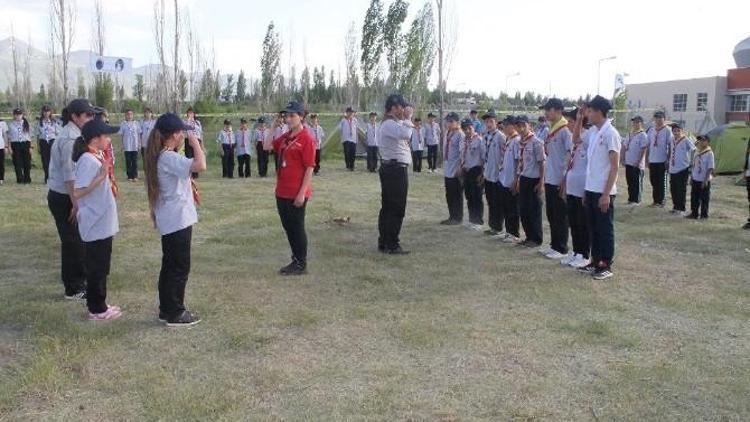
{"x": 296, "y": 267}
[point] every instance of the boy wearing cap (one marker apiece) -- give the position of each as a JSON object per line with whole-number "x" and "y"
{"x": 130, "y": 131}
{"x": 542, "y": 128}
{"x": 529, "y": 182}
{"x": 452, "y": 170}
{"x": 574, "y": 189}
{"x": 659, "y": 139}
{"x": 417, "y": 145}
{"x": 701, "y": 175}
{"x": 372, "y": 142}
{"x": 348, "y": 127}
{"x": 558, "y": 143}
{"x": 601, "y": 188}
{"x": 259, "y": 136}
{"x": 226, "y": 143}
{"x": 493, "y": 141}
{"x": 507, "y": 166}
{"x": 242, "y": 140}
{"x": 432, "y": 139}
{"x": 146, "y": 126}
{"x": 681, "y": 155}
{"x": 634, "y": 150}
{"x": 319, "y": 135}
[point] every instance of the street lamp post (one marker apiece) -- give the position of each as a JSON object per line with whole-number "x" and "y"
{"x": 599, "y": 73}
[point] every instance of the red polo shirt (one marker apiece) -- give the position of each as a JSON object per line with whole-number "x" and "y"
{"x": 296, "y": 154}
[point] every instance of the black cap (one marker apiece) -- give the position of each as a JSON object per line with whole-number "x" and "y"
{"x": 261, "y": 120}
{"x": 430, "y": 114}
{"x": 243, "y": 120}
{"x": 395, "y": 100}
{"x": 169, "y": 123}
{"x": 417, "y": 119}
{"x": 95, "y": 128}
{"x": 467, "y": 123}
{"x": 600, "y": 103}
{"x": 638, "y": 119}
{"x": 473, "y": 111}
{"x": 349, "y": 110}
{"x": 521, "y": 119}
{"x": 659, "y": 114}
{"x": 553, "y": 104}
{"x": 704, "y": 138}
{"x": 509, "y": 120}
{"x": 675, "y": 125}
{"x": 571, "y": 114}
{"x": 295, "y": 107}
{"x": 82, "y": 105}
{"x": 452, "y": 117}
{"x": 490, "y": 114}
{"x": 17, "y": 111}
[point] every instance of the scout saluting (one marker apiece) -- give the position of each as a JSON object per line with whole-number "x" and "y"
{"x": 634, "y": 157}
{"x": 172, "y": 196}
{"x": 19, "y": 135}
{"x": 573, "y": 188}
{"x": 681, "y": 152}
{"x": 703, "y": 171}
{"x": 195, "y": 129}
{"x": 95, "y": 192}
{"x": 472, "y": 165}
{"x": 47, "y": 131}
{"x": 243, "y": 141}
{"x": 226, "y": 150}
{"x": 530, "y": 182}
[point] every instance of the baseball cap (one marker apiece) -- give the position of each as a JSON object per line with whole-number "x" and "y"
{"x": 553, "y": 104}
{"x": 452, "y": 117}
{"x": 490, "y": 114}
{"x": 95, "y": 128}
{"x": 571, "y": 114}
{"x": 295, "y": 107}
{"x": 521, "y": 119}
{"x": 509, "y": 120}
{"x": 82, "y": 105}
{"x": 169, "y": 123}
{"x": 659, "y": 114}
{"x": 638, "y": 119}
{"x": 600, "y": 103}
{"x": 396, "y": 100}
{"x": 467, "y": 123}
{"x": 675, "y": 125}
{"x": 350, "y": 110}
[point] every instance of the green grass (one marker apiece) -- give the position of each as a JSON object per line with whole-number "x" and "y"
{"x": 462, "y": 329}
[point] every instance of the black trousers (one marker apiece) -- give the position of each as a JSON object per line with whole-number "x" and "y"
{"x": 45, "y": 147}
{"x": 578, "y": 229}
{"x": 317, "y": 162}
{"x": 98, "y": 258}
{"x": 189, "y": 153}
{"x": 509, "y": 205}
{"x": 372, "y": 158}
{"x": 747, "y": 181}
{"x": 474, "y": 190}
{"x": 634, "y": 177}
{"x": 699, "y": 198}
{"x": 22, "y": 161}
{"x": 394, "y": 186}
{"x": 262, "y": 160}
{"x": 72, "y": 252}
{"x": 350, "y": 151}
{"x": 243, "y": 165}
{"x": 2, "y": 163}
{"x": 293, "y": 221}
{"x": 657, "y": 174}
{"x": 432, "y": 156}
{"x": 557, "y": 217}
{"x": 678, "y": 189}
{"x": 601, "y": 227}
{"x": 454, "y": 198}
{"x": 530, "y": 207}
{"x": 227, "y": 161}
{"x": 175, "y": 268}
{"x": 416, "y": 160}
{"x": 131, "y": 164}
{"x": 495, "y": 216}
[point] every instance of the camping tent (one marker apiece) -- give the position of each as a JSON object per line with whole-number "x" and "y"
{"x": 729, "y": 143}
{"x": 332, "y": 146}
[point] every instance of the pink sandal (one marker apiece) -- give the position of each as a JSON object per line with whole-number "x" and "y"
{"x": 112, "y": 312}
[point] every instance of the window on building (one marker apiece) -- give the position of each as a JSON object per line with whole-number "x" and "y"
{"x": 702, "y": 101}
{"x": 738, "y": 103}
{"x": 679, "y": 103}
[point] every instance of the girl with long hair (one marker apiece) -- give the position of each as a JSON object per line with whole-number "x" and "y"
{"x": 47, "y": 132}
{"x": 19, "y": 134}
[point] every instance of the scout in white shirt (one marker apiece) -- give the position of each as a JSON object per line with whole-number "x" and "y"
{"x": 681, "y": 155}
{"x": 452, "y": 170}
{"x": 472, "y": 165}
{"x": 279, "y": 128}
{"x": 97, "y": 213}
{"x": 131, "y": 138}
{"x": 147, "y": 125}
{"x": 243, "y": 142}
{"x": 318, "y": 135}
{"x": 633, "y": 155}
{"x": 432, "y": 140}
{"x": 348, "y": 127}
{"x": 507, "y": 180}
{"x": 195, "y": 129}
{"x": 172, "y": 196}
{"x": 493, "y": 141}
{"x": 530, "y": 182}
{"x": 19, "y": 137}
{"x": 659, "y": 139}
{"x": 46, "y": 133}
{"x": 372, "y": 142}
{"x": 417, "y": 145}
{"x": 3, "y": 132}
{"x": 601, "y": 188}
{"x": 573, "y": 188}
{"x": 701, "y": 176}
{"x": 226, "y": 143}
{"x": 259, "y": 136}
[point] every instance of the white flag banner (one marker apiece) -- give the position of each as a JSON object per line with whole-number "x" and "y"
{"x": 111, "y": 64}
{"x": 619, "y": 82}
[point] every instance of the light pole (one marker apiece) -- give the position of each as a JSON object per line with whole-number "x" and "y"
{"x": 507, "y": 79}
{"x": 599, "y": 73}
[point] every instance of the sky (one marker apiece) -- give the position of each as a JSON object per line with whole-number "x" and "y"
{"x": 552, "y": 47}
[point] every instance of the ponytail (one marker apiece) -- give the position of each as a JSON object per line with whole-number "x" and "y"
{"x": 65, "y": 116}
{"x": 156, "y": 144}
{"x": 26, "y": 127}
{"x": 80, "y": 147}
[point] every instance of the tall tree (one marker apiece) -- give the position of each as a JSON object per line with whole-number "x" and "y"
{"x": 104, "y": 88}
{"x": 269, "y": 63}
{"x": 241, "y": 94}
{"x": 419, "y": 54}
{"x": 227, "y": 93}
{"x": 393, "y": 39}
{"x": 138, "y": 88}
{"x": 371, "y": 45}
{"x": 63, "y": 18}
{"x": 350, "y": 54}
{"x": 304, "y": 82}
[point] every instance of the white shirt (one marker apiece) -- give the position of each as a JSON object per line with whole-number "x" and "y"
{"x": 226, "y": 137}
{"x": 703, "y": 163}
{"x": 146, "y": 126}
{"x": 131, "y": 135}
{"x": 394, "y": 137}
{"x": 372, "y": 134}
{"x": 417, "y": 139}
{"x": 658, "y": 144}
{"x": 575, "y": 178}
{"x": 318, "y": 134}
{"x": 3, "y": 129}
{"x": 97, "y": 211}
{"x": 348, "y": 130}
{"x": 633, "y": 147}
{"x": 508, "y": 165}
{"x": 682, "y": 154}
{"x": 601, "y": 143}
{"x": 16, "y": 132}
{"x": 432, "y": 134}
{"x": 242, "y": 139}
{"x": 175, "y": 208}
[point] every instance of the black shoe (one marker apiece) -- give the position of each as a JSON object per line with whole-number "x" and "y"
{"x": 163, "y": 317}
{"x": 589, "y": 269}
{"x": 530, "y": 244}
{"x": 294, "y": 268}
{"x": 450, "y": 222}
{"x": 692, "y": 216}
{"x": 746, "y": 226}
{"x": 80, "y": 296}
{"x": 397, "y": 251}
{"x": 183, "y": 319}
{"x": 602, "y": 273}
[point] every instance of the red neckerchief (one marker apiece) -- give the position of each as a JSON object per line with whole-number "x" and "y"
{"x": 524, "y": 142}
{"x": 573, "y": 155}
{"x": 674, "y": 148}
{"x": 549, "y": 137}
{"x": 103, "y": 157}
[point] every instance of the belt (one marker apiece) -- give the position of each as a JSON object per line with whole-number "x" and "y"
{"x": 394, "y": 163}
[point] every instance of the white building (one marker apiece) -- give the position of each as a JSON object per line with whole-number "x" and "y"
{"x": 695, "y": 103}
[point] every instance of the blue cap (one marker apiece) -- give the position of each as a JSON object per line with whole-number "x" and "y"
{"x": 521, "y": 119}
{"x": 452, "y": 117}
{"x": 95, "y": 128}
{"x": 509, "y": 120}
{"x": 467, "y": 123}
{"x": 490, "y": 114}
{"x": 553, "y": 104}
{"x": 295, "y": 107}
{"x": 395, "y": 100}
{"x": 170, "y": 122}
{"x": 349, "y": 110}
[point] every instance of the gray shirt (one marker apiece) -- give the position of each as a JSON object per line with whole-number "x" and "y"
{"x": 372, "y": 134}
{"x": 473, "y": 152}
{"x": 508, "y": 164}
{"x": 16, "y": 132}
{"x": 452, "y": 153}
{"x": 575, "y": 177}
{"x": 682, "y": 155}
{"x": 394, "y": 137}
{"x": 146, "y": 127}
{"x": 431, "y": 134}
{"x": 658, "y": 144}
{"x": 349, "y": 130}
{"x": 530, "y": 157}
{"x": 48, "y": 130}
{"x": 417, "y": 139}
{"x": 557, "y": 146}
{"x": 97, "y": 211}
{"x": 494, "y": 142}
{"x": 61, "y": 168}
{"x": 633, "y": 147}
{"x": 131, "y": 135}
{"x": 703, "y": 163}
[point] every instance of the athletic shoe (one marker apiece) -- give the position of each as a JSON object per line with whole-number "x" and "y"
{"x": 500, "y": 235}
{"x": 294, "y": 268}
{"x": 475, "y": 227}
{"x": 602, "y": 273}
{"x": 544, "y": 251}
{"x": 491, "y": 232}
{"x": 450, "y": 222}
{"x": 587, "y": 269}
{"x": 677, "y": 213}
{"x": 184, "y": 319}
{"x": 511, "y": 239}
{"x": 692, "y": 216}
{"x": 567, "y": 259}
{"x": 579, "y": 262}
{"x": 553, "y": 254}
{"x": 397, "y": 251}
{"x": 162, "y": 317}
{"x": 112, "y": 312}
{"x": 80, "y": 296}
{"x": 529, "y": 244}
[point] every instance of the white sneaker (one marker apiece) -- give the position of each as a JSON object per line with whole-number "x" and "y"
{"x": 553, "y": 254}
{"x": 579, "y": 262}
{"x": 499, "y": 236}
{"x": 511, "y": 239}
{"x": 567, "y": 259}
{"x": 476, "y": 227}
{"x": 544, "y": 250}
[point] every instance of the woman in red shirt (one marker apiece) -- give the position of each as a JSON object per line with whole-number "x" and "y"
{"x": 295, "y": 150}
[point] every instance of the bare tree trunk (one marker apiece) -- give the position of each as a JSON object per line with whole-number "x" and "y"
{"x": 28, "y": 93}
{"x": 441, "y": 85}
{"x": 14, "y": 58}
{"x": 176, "y": 60}
{"x": 51, "y": 52}
{"x": 63, "y": 26}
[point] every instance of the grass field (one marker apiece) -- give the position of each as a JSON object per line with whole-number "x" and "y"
{"x": 463, "y": 329}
